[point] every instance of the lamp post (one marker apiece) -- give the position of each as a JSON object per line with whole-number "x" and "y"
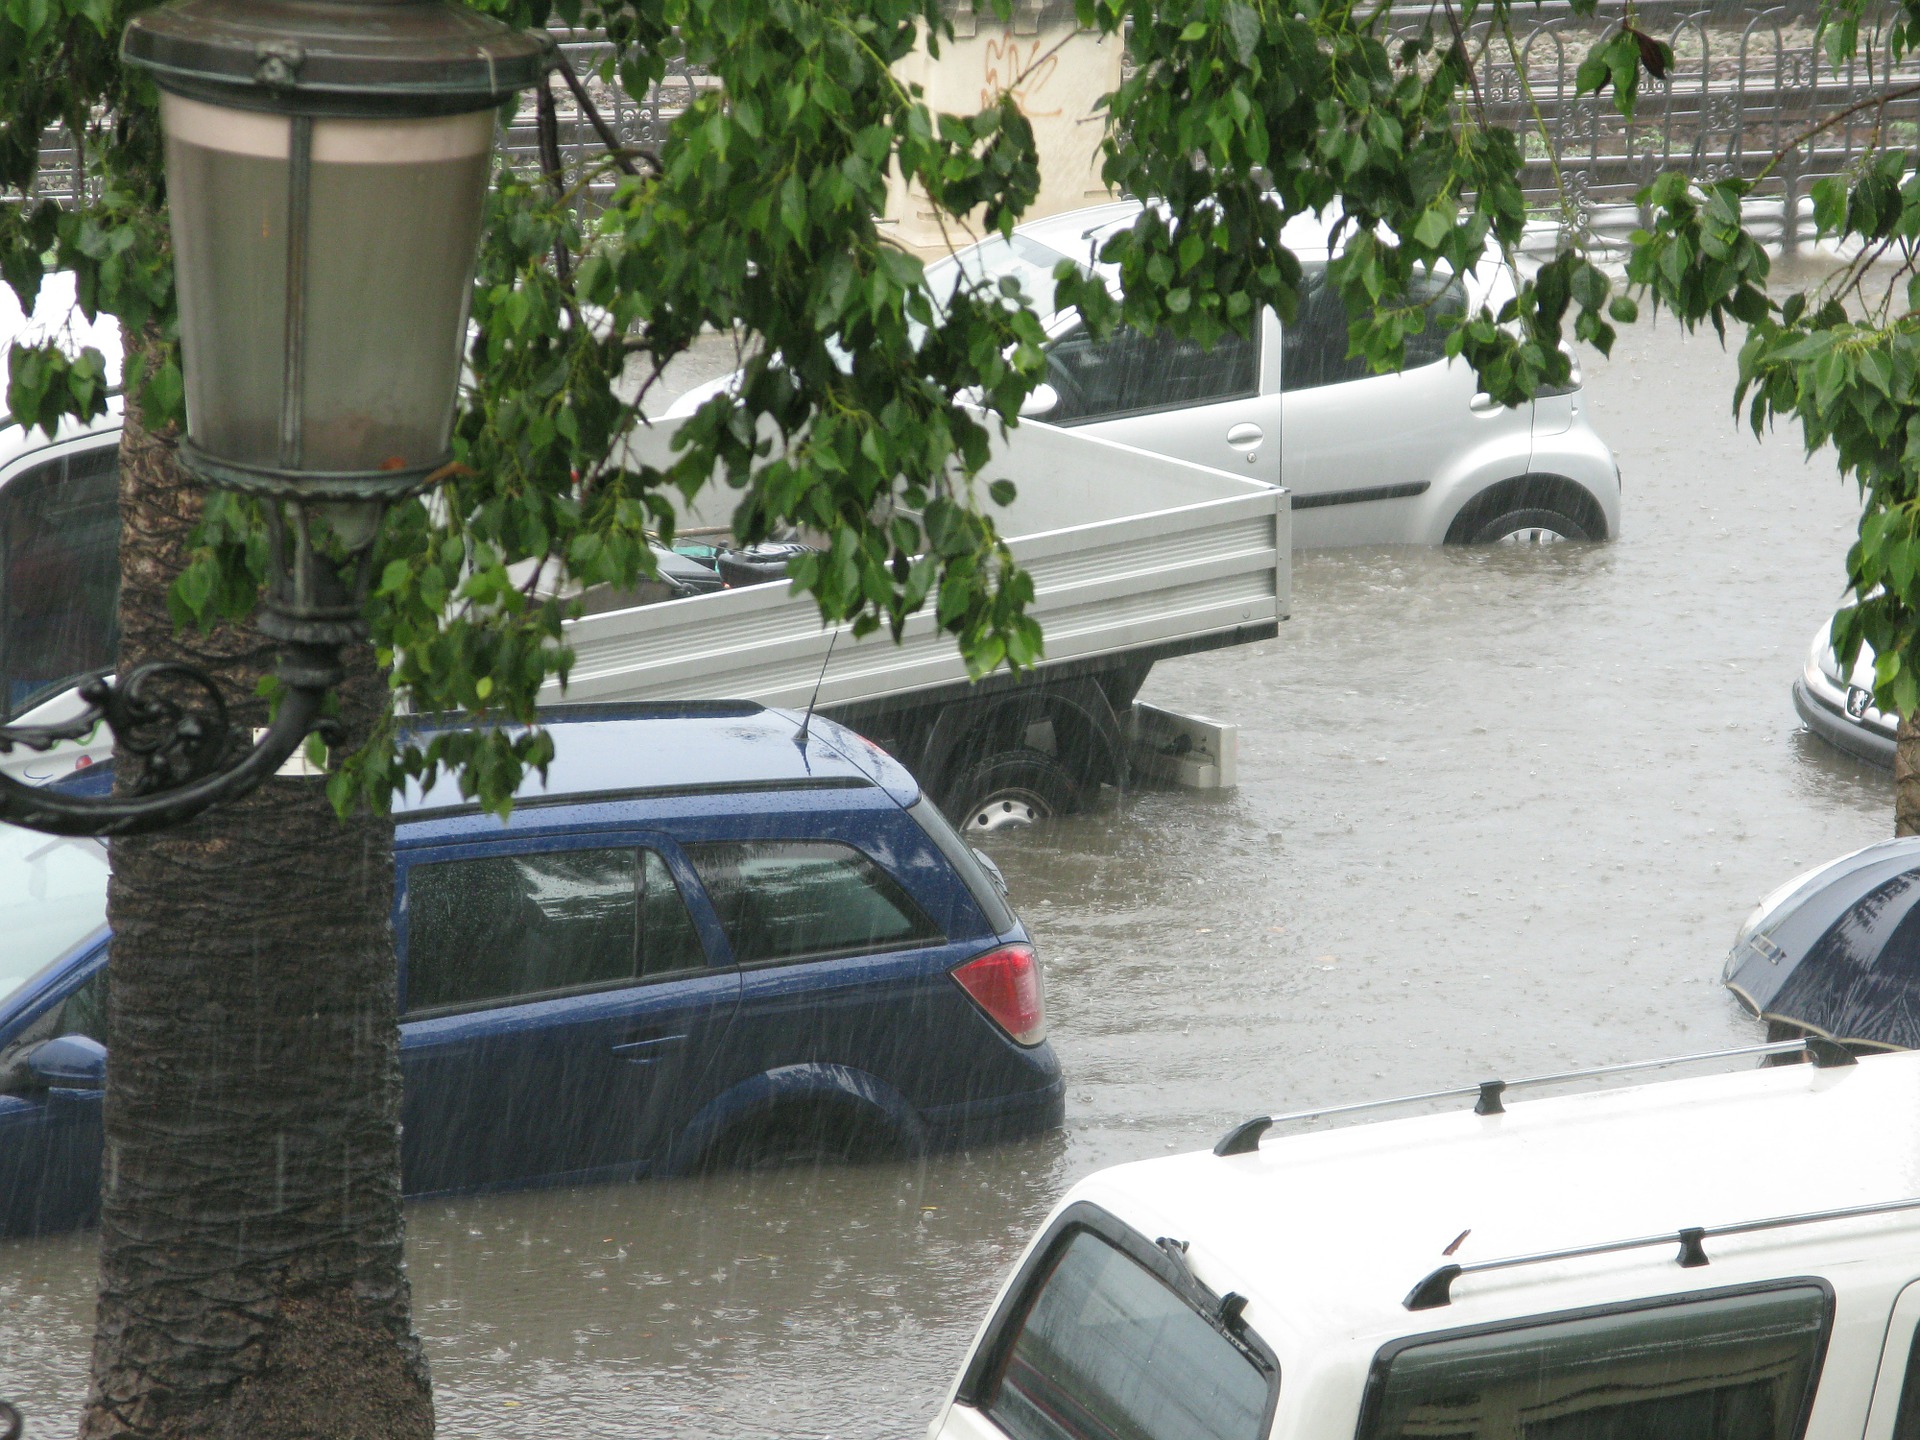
{"x": 326, "y": 169}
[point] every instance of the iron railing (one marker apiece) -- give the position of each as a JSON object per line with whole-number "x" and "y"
{"x": 1745, "y": 87}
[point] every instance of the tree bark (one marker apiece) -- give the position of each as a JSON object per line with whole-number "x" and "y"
{"x": 251, "y": 1276}
{"x": 1906, "y": 778}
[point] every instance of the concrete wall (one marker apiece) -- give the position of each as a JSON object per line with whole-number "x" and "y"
{"x": 1057, "y": 73}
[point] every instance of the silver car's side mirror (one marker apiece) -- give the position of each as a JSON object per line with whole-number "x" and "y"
{"x": 1042, "y": 402}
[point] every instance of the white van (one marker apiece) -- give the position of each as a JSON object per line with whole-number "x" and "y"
{"x": 1734, "y": 1257}
{"x": 59, "y": 544}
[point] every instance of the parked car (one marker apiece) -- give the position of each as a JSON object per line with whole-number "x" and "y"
{"x": 59, "y": 525}
{"x": 706, "y": 940}
{"x": 1835, "y": 951}
{"x": 1839, "y": 707}
{"x": 1418, "y": 457}
{"x": 1727, "y": 1257}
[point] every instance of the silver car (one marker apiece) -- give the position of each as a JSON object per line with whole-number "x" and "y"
{"x": 1838, "y": 706}
{"x": 1418, "y": 457}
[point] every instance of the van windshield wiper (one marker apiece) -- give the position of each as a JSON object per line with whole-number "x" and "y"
{"x": 1224, "y": 1312}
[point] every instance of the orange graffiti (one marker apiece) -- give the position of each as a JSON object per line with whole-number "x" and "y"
{"x": 1010, "y": 67}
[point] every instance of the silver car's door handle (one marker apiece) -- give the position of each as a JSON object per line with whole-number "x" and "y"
{"x": 646, "y": 1052}
{"x": 1484, "y": 404}
{"x": 1245, "y": 434}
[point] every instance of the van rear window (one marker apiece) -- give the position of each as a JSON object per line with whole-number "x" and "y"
{"x": 1729, "y": 1367}
{"x": 1106, "y": 1351}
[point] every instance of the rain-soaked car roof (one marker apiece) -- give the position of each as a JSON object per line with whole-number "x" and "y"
{"x": 1840, "y": 954}
{"x": 690, "y": 746}
{"x": 1327, "y": 1233}
{"x": 1077, "y": 232}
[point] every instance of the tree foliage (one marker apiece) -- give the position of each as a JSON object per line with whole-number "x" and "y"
{"x": 866, "y": 409}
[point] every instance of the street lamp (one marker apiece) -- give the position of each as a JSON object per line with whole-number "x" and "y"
{"x": 326, "y": 169}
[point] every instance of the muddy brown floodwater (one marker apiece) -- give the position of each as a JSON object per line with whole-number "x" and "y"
{"x": 1499, "y": 811}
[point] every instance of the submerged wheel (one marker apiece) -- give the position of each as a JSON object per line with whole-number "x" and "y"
{"x": 1535, "y": 525}
{"x": 1011, "y": 788}
{"x": 1529, "y": 510}
{"x": 802, "y": 1134}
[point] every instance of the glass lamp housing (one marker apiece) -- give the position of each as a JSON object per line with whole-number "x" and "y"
{"x": 326, "y": 168}
{"x": 336, "y": 350}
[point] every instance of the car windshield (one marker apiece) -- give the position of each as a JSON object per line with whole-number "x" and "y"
{"x": 53, "y": 894}
{"x": 1027, "y": 261}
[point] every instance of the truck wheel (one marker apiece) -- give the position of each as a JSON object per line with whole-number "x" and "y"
{"x": 1009, "y": 788}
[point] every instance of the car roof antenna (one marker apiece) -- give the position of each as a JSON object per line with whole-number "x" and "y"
{"x": 800, "y": 735}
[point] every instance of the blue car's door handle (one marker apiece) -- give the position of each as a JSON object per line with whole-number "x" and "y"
{"x": 646, "y": 1050}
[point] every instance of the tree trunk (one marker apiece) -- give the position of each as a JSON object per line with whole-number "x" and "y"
{"x": 1906, "y": 779}
{"x": 251, "y": 1276}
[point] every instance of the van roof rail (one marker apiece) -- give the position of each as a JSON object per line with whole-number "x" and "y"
{"x": 1244, "y": 1138}
{"x": 1437, "y": 1289}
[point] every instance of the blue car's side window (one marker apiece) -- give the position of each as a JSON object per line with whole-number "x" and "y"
{"x": 496, "y": 928}
{"x": 84, "y": 1012}
{"x": 789, "y": 899}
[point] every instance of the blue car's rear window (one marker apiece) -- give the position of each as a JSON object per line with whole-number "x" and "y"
{"x": 786, "y": 899}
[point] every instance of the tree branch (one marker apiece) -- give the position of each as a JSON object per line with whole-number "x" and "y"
{"x": 622, "y": 155}
{"x": 549, "y": 131}
{"x": 1905, "y": 92}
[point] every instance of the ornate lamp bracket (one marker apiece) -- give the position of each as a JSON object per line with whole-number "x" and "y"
{"x": 169, "y": 716}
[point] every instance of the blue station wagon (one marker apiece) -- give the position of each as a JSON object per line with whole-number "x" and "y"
{"x": 710, "y": 938}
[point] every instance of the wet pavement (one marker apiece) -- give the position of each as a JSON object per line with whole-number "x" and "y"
{"x": 1499, "y": 812}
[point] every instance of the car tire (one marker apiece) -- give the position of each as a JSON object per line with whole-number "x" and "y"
{"x": 1008, "y": 789}
{"x": 1534, "y": 525}
{"x": 802, "y": 1134}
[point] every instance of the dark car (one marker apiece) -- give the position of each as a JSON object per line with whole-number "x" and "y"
{"x": 708, "y": 939}
{"x": 1835, "y": 952}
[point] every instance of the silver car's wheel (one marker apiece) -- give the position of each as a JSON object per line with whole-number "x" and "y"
{"x": 1535, "y": 525}
{"x": 1532, "y": 535}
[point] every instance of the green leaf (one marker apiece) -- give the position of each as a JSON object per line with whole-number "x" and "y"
{"x": 1877, "y": 369}
{"x": 1434, "y": 226}
{"x": 1243, "y": 30}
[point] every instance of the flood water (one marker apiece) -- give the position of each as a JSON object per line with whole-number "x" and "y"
{"x": 1499, "y": 812}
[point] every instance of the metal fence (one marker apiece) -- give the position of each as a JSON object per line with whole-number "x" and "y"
{"x": 1745, "y": 90}
{"x": 1745, "y": 86}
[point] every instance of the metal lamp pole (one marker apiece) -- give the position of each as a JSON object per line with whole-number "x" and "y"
{"x": 327, "y": 165}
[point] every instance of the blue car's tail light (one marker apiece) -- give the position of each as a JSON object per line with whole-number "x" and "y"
{"x": 1006, "y": 983}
